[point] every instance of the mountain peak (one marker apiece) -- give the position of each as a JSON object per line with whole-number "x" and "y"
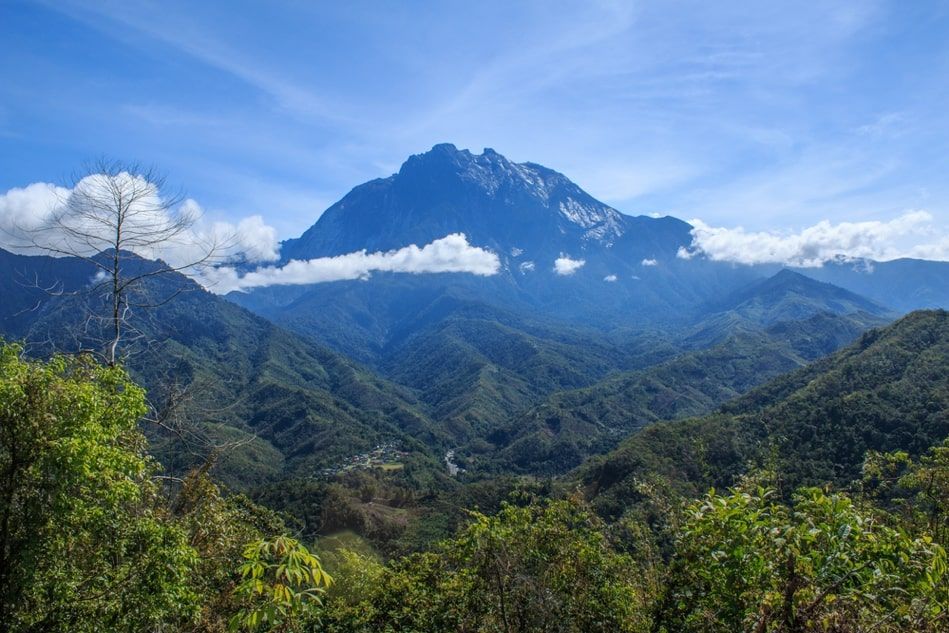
{"x": 787, "y": 273}
{"x": 494, "y": 201}
{"x": 495, "y": 175}
{"x": 448, "y": 155}
{"x": 791, "y": 295}
{"x": 787, "y": 277}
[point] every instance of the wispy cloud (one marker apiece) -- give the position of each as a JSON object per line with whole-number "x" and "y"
{"x": 132, "y": 21}
{"x": 761, "y": 116}
{"x": 450, "y": 254}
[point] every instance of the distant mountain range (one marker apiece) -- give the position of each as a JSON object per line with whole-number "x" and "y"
{"x": 631, "y": 276}
{"x": 291, "y": 406}
{"x": 760, "y": 332}
{"x": 482, "y": 352}
{"x": 525, "y": 371}
{"x": 496, "y": 386}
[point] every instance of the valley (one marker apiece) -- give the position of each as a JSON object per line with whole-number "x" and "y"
{"x": 523, "y": 374}
{"x": 474, "y": 317}
{"x": 376, "y": 416}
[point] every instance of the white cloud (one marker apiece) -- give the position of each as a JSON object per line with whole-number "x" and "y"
{"x": 526, "y": 267}
{"x": 650, "y": 262}
{"x": 885, "y": 125}
{"x": 938, "y": 250}
{"x": 912, "y": 234}
{"x": 564, "y": 265}
{"x": 25, "y": 210}
{"x": 451, "y": 253}
{"x": 251, "y": 239}
{"x": 257, "y": 240}
{"x": 516, "y": 252}
{"x": 610, "y": 278}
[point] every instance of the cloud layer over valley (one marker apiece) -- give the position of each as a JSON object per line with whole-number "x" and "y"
{"x": 252, "y": 247}
{"x": 450, "y": 254}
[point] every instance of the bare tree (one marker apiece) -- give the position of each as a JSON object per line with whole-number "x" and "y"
{"x": 114, "y": 214}
{"x": 117, "y": 217}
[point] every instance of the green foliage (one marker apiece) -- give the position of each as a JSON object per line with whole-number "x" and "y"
{"x": 474, "y": 373}
{"x": 281, "y": 585}
{"x": 92, "y": 542}
{"x": 571, "y": 425}
{"x": 928, "y": 483}
{"x": 917, "y": 490}
{"x": 86, "y": 541}
{"x": 218, "y": 528}
{"x": 543, "y": 567}
{"x": 745, "y": 562}
{"x": 293, "y": 407}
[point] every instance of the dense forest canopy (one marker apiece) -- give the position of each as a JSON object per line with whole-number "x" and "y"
{"x": 98, "y": 536}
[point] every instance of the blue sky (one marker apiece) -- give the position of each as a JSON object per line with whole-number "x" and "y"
{"x": 771, "y": 117}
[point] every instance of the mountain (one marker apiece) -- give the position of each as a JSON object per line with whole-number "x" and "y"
{"x": 495, "y": 202}
{"x": 475, "y": 373}
{"x": 482, "y": 353}
{"x": 462, "y": 361}
{"x": 628, "y": 274}
{"x": 761, "y": 331}
{"x": 785, "y": 297}
{"x": 529, "y": 216}
{"x": 289, "y": 406}
{"x": 789, "y": 295}
{"x": 902, "y": 284}
{"x": 569, "y": 426}
{"x": 460, "y": 373}
{"x": 887, "y": 391}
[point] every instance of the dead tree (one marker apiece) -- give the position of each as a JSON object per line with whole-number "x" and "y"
{"x": 114, "y": 214}
{"x": 118, "y": 218}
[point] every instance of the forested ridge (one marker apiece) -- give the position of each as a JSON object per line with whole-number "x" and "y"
{"x": 887, "y": 391}
{"x": 817, "y": 502}
{"x": 698, "y": 447}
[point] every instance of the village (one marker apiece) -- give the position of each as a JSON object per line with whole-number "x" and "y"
{"x": 387, "y": 456}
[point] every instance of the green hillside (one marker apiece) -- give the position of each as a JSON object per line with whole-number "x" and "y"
{"x": 888, "y": 391}
{"x": 276, "y": 405}
{"x": 571, "y": 425}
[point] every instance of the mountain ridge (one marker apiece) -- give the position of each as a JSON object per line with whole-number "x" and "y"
{"x": 444, "y": 191}
{"x": 886, "y": 391}
{"x": 623, "y": 272}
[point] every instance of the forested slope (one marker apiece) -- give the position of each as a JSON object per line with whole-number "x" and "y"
{"x": 888, "y": 391}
